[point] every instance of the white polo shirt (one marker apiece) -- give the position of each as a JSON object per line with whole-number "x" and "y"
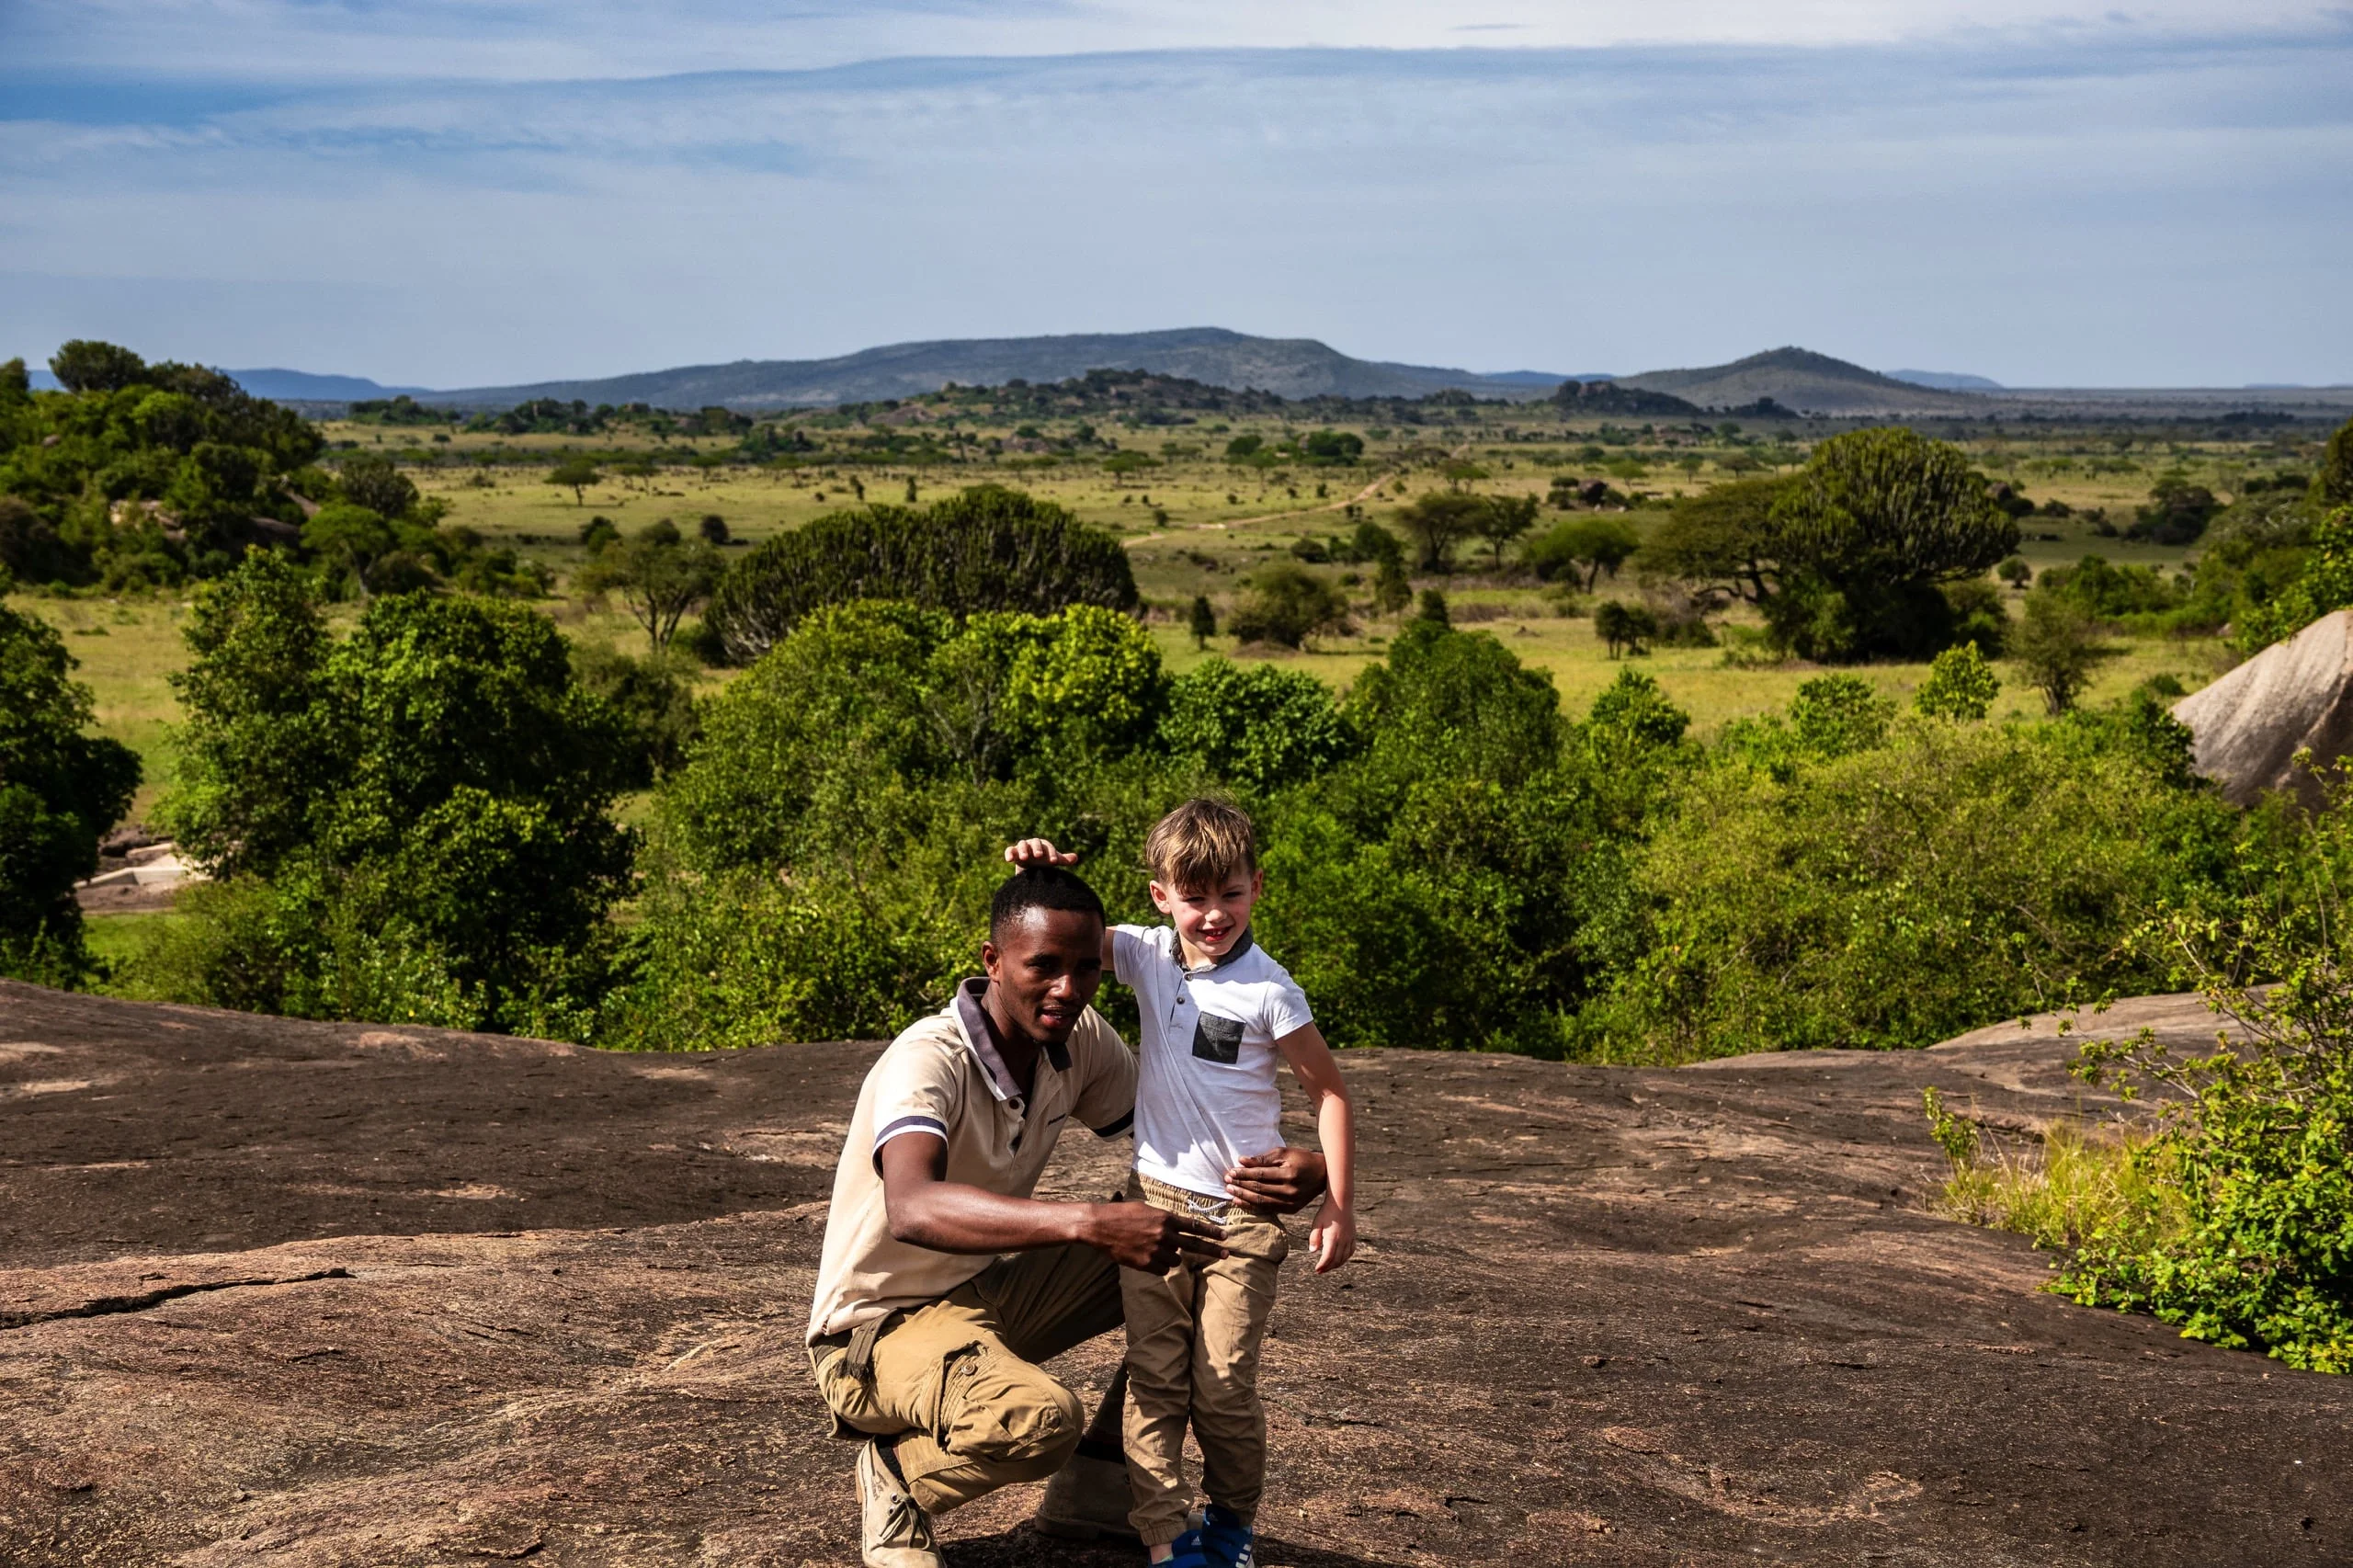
{"x": 944, "y": 1077}
{"x": 1206, "y": 1095}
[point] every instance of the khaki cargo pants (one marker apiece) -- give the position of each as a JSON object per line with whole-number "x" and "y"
{"x": 1193, "y": 1337}
{"x": 958, "y": 1380}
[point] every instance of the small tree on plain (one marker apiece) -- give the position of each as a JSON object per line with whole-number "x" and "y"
{"x": 575, "y": 474}
{"x": 714, "y": 528}
{"x": 658, "y": 575}
{"x": 1392, "y": 591}
{"x": 2059, "y": 646}
{"x": 1504, "y": 519}
{"x": 1202, "y": 621}
{"x": 1961, "y": 686}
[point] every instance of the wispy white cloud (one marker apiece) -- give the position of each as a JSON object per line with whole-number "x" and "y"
{"x": 2123, "y": 204}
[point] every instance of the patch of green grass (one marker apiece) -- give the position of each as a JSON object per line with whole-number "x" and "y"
{"x": 2056, "y": 1187}
{"x": 119, "y": 940}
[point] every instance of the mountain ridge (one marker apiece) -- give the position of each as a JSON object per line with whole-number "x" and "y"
{"x": 1805, "y": 381}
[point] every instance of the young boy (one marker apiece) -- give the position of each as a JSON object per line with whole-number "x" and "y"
{"x": 1217, "y": 1014}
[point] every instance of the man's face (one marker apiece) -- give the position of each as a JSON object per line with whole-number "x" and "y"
{"x": 1045, "y": 966}
{"x": 1211, "y": 918}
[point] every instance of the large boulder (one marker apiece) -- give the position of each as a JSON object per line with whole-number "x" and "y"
{"x": 2249, "y": 726}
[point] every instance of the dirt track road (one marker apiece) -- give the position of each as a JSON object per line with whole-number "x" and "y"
{"x": 300, "y": 1294}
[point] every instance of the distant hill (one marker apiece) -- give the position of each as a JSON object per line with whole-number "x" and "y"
{"x": 1805, "y": 381}
{"x": 282, "y": 386}
{"x": 1289, "y": 367}
{"x": 1945, "y": 381}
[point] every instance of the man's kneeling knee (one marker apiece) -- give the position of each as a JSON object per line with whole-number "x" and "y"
{"x": 1000, "y": 1411}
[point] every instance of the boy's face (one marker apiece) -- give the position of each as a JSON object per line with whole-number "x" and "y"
{"x": 1210, "y": 919}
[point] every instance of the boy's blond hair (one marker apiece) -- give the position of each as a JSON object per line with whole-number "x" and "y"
{"x": 1200, "y": 844}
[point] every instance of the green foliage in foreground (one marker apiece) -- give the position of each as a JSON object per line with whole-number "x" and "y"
{"x": 986, "y": 549}
{"x": 59, "y": 791}
{"x": 2248, "y": 1243}
{"x": 412, "y": 824}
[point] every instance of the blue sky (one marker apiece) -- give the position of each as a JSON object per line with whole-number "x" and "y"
{"x": 455, "y": 192}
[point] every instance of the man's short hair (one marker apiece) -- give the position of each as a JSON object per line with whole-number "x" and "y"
{"x": 1200, "y": 844}
{"x": 1040, "y": 887}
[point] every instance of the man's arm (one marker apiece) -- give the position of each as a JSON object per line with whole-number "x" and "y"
{"x": 1041, "y": 852}
{"x": 927, "y": 1210}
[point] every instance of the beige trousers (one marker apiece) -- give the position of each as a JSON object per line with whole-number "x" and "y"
{"x": 1193, "y": 1337}
{"x": 957, "y": 1379}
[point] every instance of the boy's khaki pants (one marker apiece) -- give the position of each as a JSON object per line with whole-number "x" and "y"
{"x": 957, "y": 1379}
{"x": 1193, "y": 1338}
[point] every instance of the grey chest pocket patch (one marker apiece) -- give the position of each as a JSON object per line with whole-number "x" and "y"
{"x": 1218, "y": 1040}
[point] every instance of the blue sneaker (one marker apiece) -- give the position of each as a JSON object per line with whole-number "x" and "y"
{"x": 1184, "y": 1552}
{"x": 1226, "y": 1540}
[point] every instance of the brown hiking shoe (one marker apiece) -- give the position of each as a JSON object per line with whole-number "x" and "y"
{"x": 1088, "y": 1499}
{"x": 892, "y": 1531}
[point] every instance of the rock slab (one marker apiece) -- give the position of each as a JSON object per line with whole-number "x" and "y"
{"x": 2248, "y": 726}
{"x": 303, "y": 1294}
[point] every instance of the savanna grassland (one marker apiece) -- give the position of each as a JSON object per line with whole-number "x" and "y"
{"x": 1195, "y": 522}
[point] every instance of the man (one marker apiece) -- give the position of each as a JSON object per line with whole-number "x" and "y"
{"x": 944, "y": 1283}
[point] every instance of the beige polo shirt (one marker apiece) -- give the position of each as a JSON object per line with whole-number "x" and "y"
{"x": 943, "y": 1076}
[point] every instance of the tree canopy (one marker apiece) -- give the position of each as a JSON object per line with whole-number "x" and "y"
{"x": 987, "y": 548}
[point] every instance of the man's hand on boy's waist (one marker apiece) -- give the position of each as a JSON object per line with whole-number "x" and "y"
{"x": 1137, "y": 1235}
{"x": 1285, "y": 1181}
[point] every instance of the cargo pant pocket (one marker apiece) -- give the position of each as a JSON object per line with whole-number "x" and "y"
{"x": 999, "y": 1409}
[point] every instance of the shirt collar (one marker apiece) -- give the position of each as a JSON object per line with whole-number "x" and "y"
{"x": 975, "y": 1028}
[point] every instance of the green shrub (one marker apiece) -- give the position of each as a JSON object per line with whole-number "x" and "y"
{"x": 2246, "y": 1241}
{"x": 986, "y": 549}
{"x": 1286, "y": 605}
{"x": 59, "y": 791}
{"x": 412, "y": 822}
{"x": 1961, "y": 686}
{"x": 1898, "y": 894}
{"x": 1255, "y": 726}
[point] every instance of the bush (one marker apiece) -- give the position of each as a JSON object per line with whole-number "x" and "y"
{"x": 2245, "y": 1238}
{"x": 986, "y": 549}
{"x": 1286, "y": 605}
{"x": 2059, "y": 646}
{"x": 1898, "y": 894}
{"x": 411, "y": 824}
{"x": 1254, "y": 726}
{"x": 654, "y": 696}
{"x": 59, "y": 791}
{"x": 1961, "y": 686}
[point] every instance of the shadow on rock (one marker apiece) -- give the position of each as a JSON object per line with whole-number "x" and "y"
{"x": 1022, "y": 1547}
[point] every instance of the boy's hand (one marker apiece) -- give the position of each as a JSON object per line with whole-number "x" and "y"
{"x": 1334, "y": 1237}
{"x": 1137, "y": 1235}
{"x": 1039, "y": 852}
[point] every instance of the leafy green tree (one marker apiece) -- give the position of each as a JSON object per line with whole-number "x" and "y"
{"x": 1392, "y": 590}
{"x": 1255, "y": 726}
{"x": 370, "y": 480}
{"x": 85, "y": 365}
{"x": 2059, "y": 646}
{"x": 598, "y": 532}
{"x": 60, "y": 792}
{"x": 412, "y": 824}
{"x": 2014, "y": 571}
{"x": 1371, "y": 542}
{"x": 1440, "y": 521}
{"x": 350, "y": 539}
{"x": 659, "y": 576}
{"x": 1723, "y": 538}
{"x": 1867, "y": 535}
{"x": 654, "y": 695}
{"x": 1624, "y": 628}
{"x": 575, "y": 474}
{"x": 1201, "y": 621}
{"x": 1590, "y": 545}
{"x": 2176, "y": 514}
{"x": 2333, "y": 484}
{"x": 1432, "y": 609}
{"x": 1961, "y": 686}
{"x": 1505, "y": 518}
{"x": 986, "y": 549}
{"x": 1287, "y": 604}
{"x": 1331, "y": 446}
{"x": 713, "y": 528}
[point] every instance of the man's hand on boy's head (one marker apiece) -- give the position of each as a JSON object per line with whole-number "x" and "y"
{"x": 1039, "y": 852}
{"x": 1285, "y": 1181}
